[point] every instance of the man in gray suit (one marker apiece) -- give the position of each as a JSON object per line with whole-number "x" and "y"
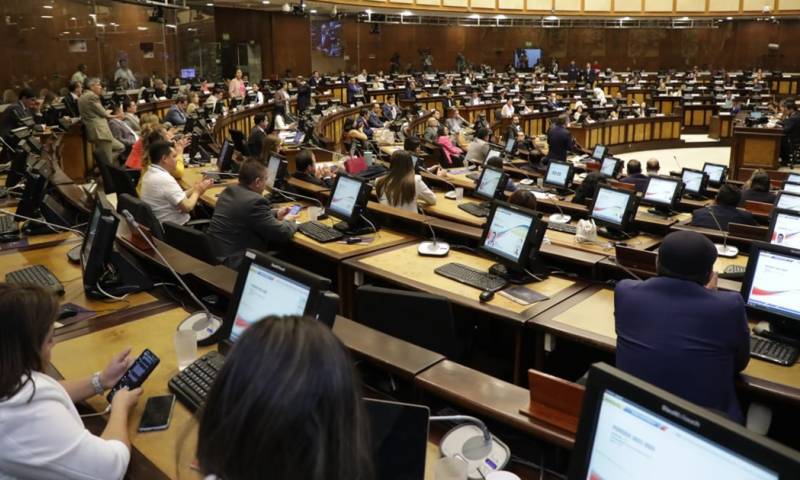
{"x": 122, "y": 132}
{"x": 95, "y": 121}
{"x": 244, "y": 219}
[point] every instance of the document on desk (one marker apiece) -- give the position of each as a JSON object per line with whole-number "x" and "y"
{"x": 522, "y": 295}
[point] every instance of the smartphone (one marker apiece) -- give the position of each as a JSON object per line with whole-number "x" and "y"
{"x": 295, "y": 209}
{"x": 137, "y": 373}
{"x": 157, "y": 413}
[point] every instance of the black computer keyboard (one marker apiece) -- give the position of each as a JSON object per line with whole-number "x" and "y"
{"x": 320, "y": 232}
{"x": 474, "y": 209}
{"x": 7, "y": 225}
{"x": 472, "y": 277}
{"x": 191, "y": 386}
{"x": 733, "y": 272}
{"x": 38, "y": 275}
{"x": 563, "y": 227}
{"x": 773, "y": 351}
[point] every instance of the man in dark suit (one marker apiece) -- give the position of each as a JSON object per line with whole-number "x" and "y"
{"x": 588, "y": 74}
{"x": 244, "y": 219}
{"x": 303, "y": 95}
{"x": 390, "y": 109}
{"x": 257, "y": 135}
{"x": 71, "y": 99}
{"x": 791, "y": 129}
{"x": 27, "y": 106}
{"x": 573, "y": 72}
{"x": 306, "y": 170}
{"x": 678, "y": 332}
{"x": 176, "y": 115}
{"x": 635, "y": 176}
{"x": 559, "y": 140}
{"x": 723, "y": 211}
{"x": 409, "y": 93}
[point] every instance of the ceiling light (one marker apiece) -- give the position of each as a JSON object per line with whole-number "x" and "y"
{"x": 72, "y": 18}
{"x": 47, "y": 16}
{"x": 728, "y": 18}
{"x": 405, "y": 13}
{"x": 500, "y": 17}
{"x": 141, "y": 29}
{"x": 49, "y": 7}
{"x": 100, "y": 25}
{"x": 475, "y": 16}
{"x": 64, "y": 33}
{"x": 169, "y": 25}
{"x": 209, "y": 4}
{"x": 551, "y": 17}
{"x": 312, "y": 11}
{"x": 625, "y": 19}
{"x": 684, "y": 19}
{"x": 265, "y": 2}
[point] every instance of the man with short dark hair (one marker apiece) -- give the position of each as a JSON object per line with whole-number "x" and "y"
{"x": 723, "y": 211}
{"x": 70, "y": 100}
{"x": 559, "y": 140}
{"x": 122, "y": 132}
{"x": 307, "y": 171}
{"x": 26, "y": 106}
{"x": 790, "y": 121}
{"x": 176, "y": 115}
{"x": 244, "y": 219}
{"x": 478, "y": 148}
{"x": 257, "y": 135}
{"x": 635, "y": 176}
{"x": 653, "y": 167}
{"x": 160, "y": 190}
{"x": 678, "y": 332}
{"x": 129, "y": 107}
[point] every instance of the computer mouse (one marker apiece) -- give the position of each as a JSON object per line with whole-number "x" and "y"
{"x": 67, "y": 311}
{"x": 485, "y": 296}
{"x": 353, "y": 240}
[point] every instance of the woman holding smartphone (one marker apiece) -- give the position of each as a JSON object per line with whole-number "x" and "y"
{"x": 43, "y": 436}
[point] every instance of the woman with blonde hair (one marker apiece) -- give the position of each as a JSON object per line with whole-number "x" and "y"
{"x": 193, "y": 100}
{"x": 402, "y": 187}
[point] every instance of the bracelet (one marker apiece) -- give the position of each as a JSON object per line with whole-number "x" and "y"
{"x": 98, "y": 386}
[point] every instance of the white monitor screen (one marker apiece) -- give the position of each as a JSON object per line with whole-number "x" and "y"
{"x": 510, "y": 144}
{"x": 714, "y": 172}
{"x": 414, "y": 160}
{"x": 633, "y": 442}
{"x": 507, "y": 233}
{"x": 791, "y": 187}
{"x": 610, "y": 205}
{"x": 775, "y": 284}
{"x": 692, "y": 181}
{"x": 661, "y": 191}
{"x": 345, "y": 196}
{"x": 489, "y": 181}
{"x": 492, "y": 154}
{"x": 609, "y": 167}
{"x": 599, "y": 152}
{"x": 789, "y": 202}
{"x": 557, "y": 174}
{"x": 272, "y": 170}
{"x": 91, "y": 232}
{"x": 793, "y": 178}
{"x": 267, "y": 293}
{"x": 786, "y": 231}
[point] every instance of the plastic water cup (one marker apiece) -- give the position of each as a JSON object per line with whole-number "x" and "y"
{"x": 502, "y": 475}
{"x": 459, "y": 194}
{"x": 314, "y": 213}
{"x": 185, "y": 348}
{"x": 450, "y": 468}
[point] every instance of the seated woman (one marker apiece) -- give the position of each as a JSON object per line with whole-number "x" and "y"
{"x": 452, "y": 154}
{"x": 290, "y": 380}
{"x": 401, "y": 187}
{"x": 584, "y": 194}
{"x": 43, "y": 435}
{"x": 354, "y": 137}
{"x": 271, "y": 144}
{"x": 523, "y": 198}
{"x": 757, "y": 188}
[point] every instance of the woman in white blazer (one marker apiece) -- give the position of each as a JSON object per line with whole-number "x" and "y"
{"x": 401, "y": 187}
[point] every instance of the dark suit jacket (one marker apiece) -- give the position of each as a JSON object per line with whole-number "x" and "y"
{"x": 175, "y": 116}
{"x": 639, "y": 179}
{"x": 724, "y": 215}
{"x": 684, "y": 338}
{"x": 303, "y": 97}
{"x": 409, "y": 94}
{"x": 791, "y": 127}
{"x": 254, "y": 141}
{"x": 573, "y": 73}
{"x": 755, "y": 196}
{"x": 243, "y": 219}
{"x": 71, "y": 104}
{"x": 373, "y": 121}
{"x": 559, "y": 141}
{"x": 389, "y": 113}
{"x": 312, "y": 179}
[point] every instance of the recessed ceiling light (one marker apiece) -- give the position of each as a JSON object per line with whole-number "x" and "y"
{"x": 684, "y": 19}
{"x": 47, "y": 16}
{"x": 100, "y": 25}
{"x": 209, "y": 4}
{"x": 312, "y": 11}
{"x": 475, "y": 16}
{"x": 551, "y": 17}
{"x": 728, "y": 18}
{"x": 265, "y": 2}
{"x": 169, "y": 25}
{"x": 500, "y": 17}
{"x": 49, "y": 7}
{"x": 405, "y": 12}
{"x": 141, "y": 29}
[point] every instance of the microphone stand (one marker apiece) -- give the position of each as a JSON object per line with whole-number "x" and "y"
{"x": 434, "y": 248}
{"x": 723, "y": 250}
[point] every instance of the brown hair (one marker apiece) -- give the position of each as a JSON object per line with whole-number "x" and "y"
{"x": 399, "y": 185}
{"x": 27, "y": 313}
{"x": 523, "y": 198}
{"x": 270, "y": 144}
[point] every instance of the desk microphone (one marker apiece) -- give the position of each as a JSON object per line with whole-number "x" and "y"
{"x": 675, "y": 158}
{"x": 74, "y": 254}
{"x": 433, "y": 248}
{"x": 204, "y": 324}
{"x": 723, "y": 250}
{"x": 473, "y": 443}
{"x": 559, "y": 217}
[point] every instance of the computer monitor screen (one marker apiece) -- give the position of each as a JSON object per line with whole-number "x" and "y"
{"x": 793, "y": 178}
{"x": 661, "y": 191}
{"x": 788, "y": 201}
{"x": 510, "y": 142}
{"x": 772, "y": 281}
{"x": 488, "y": 183}
{"x": 610, "y": 205}
{"x": 785, "y": 229}
{"x": 493, "y": 152}
{"x": 266, "y": 292}
{"x": 716, "y": 173}
{"x": 399, "y": 434}
{"x": 508, "y": 232}
{"x": 559, "y": 174}
{"x": 609, "y": 167}
{"x": 98, "y": 242}
{"x": 599, "y": 152}
{"x": 345, "y": 196}
{"x": 791, "y": 187}
{"x": 188, "y": 73}
{"x": 275, "y": 171}
{"x": 692, "y": 181}
{"x": 91, "y": 231}
{"x": 414, "y": 160}
{"x": 225, "y": 156}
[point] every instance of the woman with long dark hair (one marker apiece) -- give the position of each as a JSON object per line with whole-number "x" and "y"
{"x": 286, "y": 405}
{"x": 402, "y": 187}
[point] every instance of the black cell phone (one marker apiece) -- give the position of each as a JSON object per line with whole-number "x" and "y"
{"x": 137, "y": 373}
{"x": 157, "y": 413}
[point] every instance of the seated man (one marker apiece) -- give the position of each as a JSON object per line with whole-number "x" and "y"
{"x": 244, "y": 219}
{"x": 257, "y": 135}
{"x": 653, "y": 167}
{"x": 176, "y": 115}
{"x": 306, "y": 170}
{"x": 723, "y": 211}
{"x": 678, "y": 332}
{"x": 635, "y": 176}
{"x": 479, "y": 147}
{"x": 160, "y": 190}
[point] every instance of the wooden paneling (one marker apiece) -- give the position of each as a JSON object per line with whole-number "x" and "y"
{"x": 568, "y": 5}
{"x": 723, "y": 5}
{"x": 690, "y": 5}
{"x": 597, "y": 5}
{"x": 628, "y": 5}
{"x": 658, "y": 5}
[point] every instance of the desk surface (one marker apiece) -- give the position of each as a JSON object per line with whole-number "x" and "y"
{"x": 602, "y": 246}
{"x": 448, "y": 209}
{"x": 403, "y": 265}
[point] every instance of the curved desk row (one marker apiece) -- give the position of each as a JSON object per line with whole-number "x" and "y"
{"x": 629, "y": 131}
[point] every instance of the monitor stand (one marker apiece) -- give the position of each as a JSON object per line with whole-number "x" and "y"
{"x": 665, "y": 212}
{"x": 37, "y": 228}
{"x": 124, "y": 275}
{"x": 516, "y": 276}
{"x": 614, "y": 233}
{"x": 354, "y": 230}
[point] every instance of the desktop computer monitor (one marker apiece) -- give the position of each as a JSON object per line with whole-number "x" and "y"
{"x": 98, "y": 242}
{"x": 559, "y": 175}
{"x": 399, "y": 435}
{"x": 784, "y": 229}
{"x": 791, "y": 187}
{"x": 225, "y": 161}
{"x": 510, "y": 142}
{"x": 494, "y": 151}
{"x": 348, "y": 203}
{"x": 788, "y": 201}
{"x": 599, "y": 152}
{"x": 793, "y": 178}
{"x": 613, "y": 209}
{"x": 267, "y": 286}
{"x": 630, "y": 429}
{"x": 32, "y": 195}
{"x": 490, "y": 184}
{"x": 694, "y": 182}
{"x": 610, "y": 167}
{"x": 276, "y": 170}
{"x": 512, "y": 235}
{"x": 771, "y": 285}
{"x": 188, "y": 73}
{"x": 663, "y": 193}
{"x": 716, "y": 173}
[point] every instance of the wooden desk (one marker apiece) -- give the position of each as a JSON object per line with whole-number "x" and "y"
{"x": 642, "y": 241}
{"x": 628, "y": 131}
{"x": 754, "y": 147}
{"x": 448, "y": 209}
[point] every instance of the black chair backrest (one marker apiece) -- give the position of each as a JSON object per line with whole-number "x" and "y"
{"x": 191, "y": 241}
{"x": 419, "y": 318}
{"x": 105, "y": 173}
{"x": 141, "y": 212}
{"x": 238, "y": 141}
{"x": 123, "y": 183}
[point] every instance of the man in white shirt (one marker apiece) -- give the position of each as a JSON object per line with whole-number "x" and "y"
{"x": 160, "y": 190}
{"x": 79, "y": 75}
{"x": 124, "y": 75}
{"x": 508, "y": 109}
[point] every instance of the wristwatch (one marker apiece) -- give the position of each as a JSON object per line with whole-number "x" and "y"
{"x": 98, "y": 386}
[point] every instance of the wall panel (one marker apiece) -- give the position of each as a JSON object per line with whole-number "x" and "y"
{"x": 628, "y": 5}
{"x": 658, "y": 6}
{"x": 597, "y": 5}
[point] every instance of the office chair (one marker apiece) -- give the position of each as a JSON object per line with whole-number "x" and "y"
{"x": 191, "y": 241}
{"x": 123, "y": 181}
{"x": 141, "y": 212}
{"x": 239, "y": 141}
{"x": 105, "y": 174}
{"x": 420, "y": 318}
